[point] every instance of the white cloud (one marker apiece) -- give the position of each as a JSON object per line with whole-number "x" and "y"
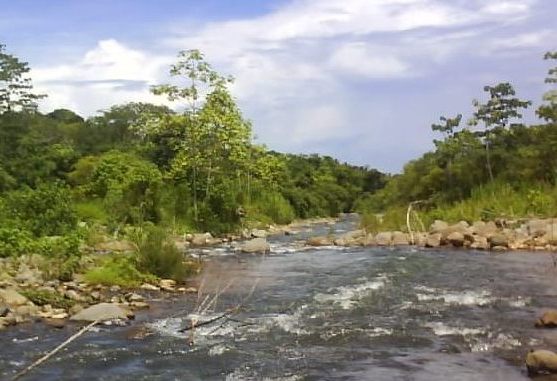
{"x": 108, "y": 74}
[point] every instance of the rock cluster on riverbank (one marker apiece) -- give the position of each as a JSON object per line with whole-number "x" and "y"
{"x": 533, "y": 234}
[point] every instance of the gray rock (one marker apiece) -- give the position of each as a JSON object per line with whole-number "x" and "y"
{"x": 12, "y": 298}
{"x": 201, "y": 239}
{"x": 28, "y": 275}
{"x": 133, "y": 297}
{"x": 101, "y": 312}
{"x": 256, "y": 245}
{"x": 456, "y": 239}
{"x": 4, "y": 310}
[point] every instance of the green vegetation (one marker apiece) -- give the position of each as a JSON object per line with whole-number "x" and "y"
{"x": 42, "y": 298}
{"x": 504, "y": 170}
{"x": 66, "y": 181}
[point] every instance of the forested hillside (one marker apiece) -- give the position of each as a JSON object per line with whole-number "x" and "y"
{"x": 196, "y": 169}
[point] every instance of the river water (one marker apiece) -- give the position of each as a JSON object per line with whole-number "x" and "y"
{"x": 321, "y": 314}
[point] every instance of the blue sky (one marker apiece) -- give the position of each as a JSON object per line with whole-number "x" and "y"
{"x": 361, "y": 80}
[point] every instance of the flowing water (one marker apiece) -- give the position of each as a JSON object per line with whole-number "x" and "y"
{"x": 322, "y": 314}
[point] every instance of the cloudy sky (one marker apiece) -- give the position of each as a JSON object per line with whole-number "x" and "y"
{"x": 361, "y": 80}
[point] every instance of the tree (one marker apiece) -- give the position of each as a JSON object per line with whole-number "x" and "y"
{"x": 15, "y": 87}
{"x": 548, "y": 111}
{"x": 496, "y": 114}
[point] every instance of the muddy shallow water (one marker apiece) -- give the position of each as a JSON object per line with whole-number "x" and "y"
{"x": 323, "y": 314}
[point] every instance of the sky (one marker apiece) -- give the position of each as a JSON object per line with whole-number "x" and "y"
{"x": 360, "y": 80}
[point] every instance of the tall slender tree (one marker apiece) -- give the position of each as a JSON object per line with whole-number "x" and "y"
{"x": 15, "y": 86}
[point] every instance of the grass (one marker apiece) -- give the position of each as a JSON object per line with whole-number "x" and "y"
{"x": 117, "y": 269}
{"x": 41, "y": 298}
{"x": 488, "y": 202}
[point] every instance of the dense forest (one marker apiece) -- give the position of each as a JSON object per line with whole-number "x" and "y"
{"x": 137, "y": 164}
{"x": 492, "y": 166}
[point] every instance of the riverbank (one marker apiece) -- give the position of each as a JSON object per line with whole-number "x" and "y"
{"x": 27, "y": 294}
{"x": 500, "y": 235}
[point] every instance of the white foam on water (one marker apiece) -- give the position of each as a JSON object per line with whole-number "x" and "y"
{"x": 291, "y": 323}
{"x": 461, "y": 298}
{"x": 347, "y": 297}
{"x": 378, "y": 331}
{"x": 499, "y": 341}
{"x": 441, "y": 329}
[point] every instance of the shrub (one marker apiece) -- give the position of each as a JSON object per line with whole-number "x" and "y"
{"x": 41, "y": 298}
{"x": 15, "y": 242}
{"x": 46, "y": 210}
{"x": 118, "y": 270}
{"x": 158, "y": 255}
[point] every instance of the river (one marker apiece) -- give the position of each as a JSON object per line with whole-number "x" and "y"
{"x": 321, "y": 314}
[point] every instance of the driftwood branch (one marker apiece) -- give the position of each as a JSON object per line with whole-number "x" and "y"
{"x": 54, "y": 351}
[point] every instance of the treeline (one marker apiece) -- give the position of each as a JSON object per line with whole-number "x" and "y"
{"x": 193, "y": 170}
{"x": 490, "y": 167}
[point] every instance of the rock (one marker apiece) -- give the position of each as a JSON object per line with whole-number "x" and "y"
{"x": 320, "y": 241}
{"x": 541, "y": 360}
{"x": 28, "y": 275}
{"x": 167, "y": 283}
{"x": 352, "y": 238}
{"x": 27, "y": 310}
{"x": 4, "y": 310}
{"x": 498, "y": 240}
{"x": 437, "y": 226}
{"x": 384, "y": 238}
{"x": 456, "y": 239}
{"x": 62, "y": 315}
{"x": 133, "y": 297}
{"x": 200, "y": 239}
{"x": 258, "y": 233}
{"x": 101, "y": 312}
{"x": 190, "y": 290}
{"x": 480, "y": 243}
{"x": 499, "y": 248}
{"x": 74, "y": 295}
{"x": 400, "y": 238}
{"x": 256, "y": 245}
{"x": 115, "y": 288}
{"x": 369, "y": 240}
{"x": 484, "y": 229}
{"x": 149, "y": 287}
{"x": 433, "y": 240}
{"x": 95, "y": 295}
{"x": 12, "y": 298}
{"x": 537, "y": 227}
{"x": 547, "y": 320}
{"x": 139, "y": 305}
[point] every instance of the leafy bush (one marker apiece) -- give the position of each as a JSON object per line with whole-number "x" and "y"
{"x": 118, "y": 270}
{"x": 64, "y": 254}
{"x": 158, "y": 255}
{"x": 46, "y": 210}
{"x": 42, "y": 298}
{"x": 15, "y": 242}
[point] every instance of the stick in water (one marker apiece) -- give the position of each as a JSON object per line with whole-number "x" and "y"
{"x": 54, "y": 351}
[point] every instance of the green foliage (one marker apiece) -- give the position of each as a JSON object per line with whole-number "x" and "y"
{"x": 15, "y": 242}
{"x": 42, "y": 298}
{"x": 15, "y": 87}
{"x": 118, "y": 270}
{"x": 46, "y": 210}
{"x": 159, "y": 256}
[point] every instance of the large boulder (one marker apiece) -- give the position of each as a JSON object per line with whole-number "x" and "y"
{"x": 103, "y": 311}
{"x": 437, "y": 226}
{"x": 384, "y": 238}
{"x": 256, "y": 245}
{"x": 456, "y": 239}
{"x": 201, "y": 239}
{"x": 484, "y": 229}
{"x": 400, "y": 238}
{"x": 480, "y": 243}
{"x": 547, "y": 320}
{"x": 12, "y": 298}
{"x": 541, "y": 360}
{"x": 320, "y": 241}
{"x": 433, "y": 240}
{"x": 352, "y": 238}
{"x": 498, "y": 240}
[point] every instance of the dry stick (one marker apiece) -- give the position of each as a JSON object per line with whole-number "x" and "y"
{"x": 54, "y": 351}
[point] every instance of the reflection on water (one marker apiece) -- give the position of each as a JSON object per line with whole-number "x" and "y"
{"x": 322, "y": 314}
